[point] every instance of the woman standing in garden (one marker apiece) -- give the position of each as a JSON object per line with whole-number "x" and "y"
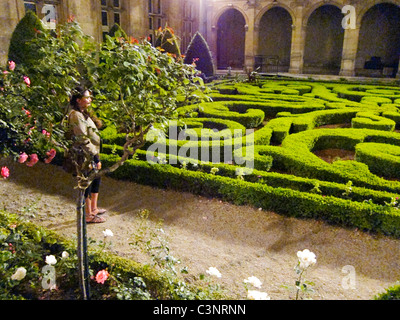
{"x": 83, "y": 127}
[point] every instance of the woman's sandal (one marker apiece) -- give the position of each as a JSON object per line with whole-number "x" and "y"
{"x": 99, "y": 211}
{"x": 94, "y": 219}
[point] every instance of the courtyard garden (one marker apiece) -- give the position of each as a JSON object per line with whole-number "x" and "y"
{"x": 309, "y": 150}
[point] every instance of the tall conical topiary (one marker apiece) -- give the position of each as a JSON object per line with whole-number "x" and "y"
{"x": 199, "y": 53}
{"x": 26, "y": 30}
{"x": 167, "y": 41}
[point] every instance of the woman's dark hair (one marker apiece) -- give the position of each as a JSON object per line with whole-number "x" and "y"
{"x": 79, "y": 93}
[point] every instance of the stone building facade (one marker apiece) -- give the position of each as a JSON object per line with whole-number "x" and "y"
{"x": 139, "y": 18}
{"x": 342, "y": 37}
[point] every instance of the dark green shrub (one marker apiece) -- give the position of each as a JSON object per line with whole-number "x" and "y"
{"x": 199, "y": 53}
{"x": 20, "y": 50}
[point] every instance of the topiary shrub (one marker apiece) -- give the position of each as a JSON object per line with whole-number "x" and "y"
{"x": 199, "y": 52}
{"x": 27, "y": 29}
{"x": 167, "y": 41}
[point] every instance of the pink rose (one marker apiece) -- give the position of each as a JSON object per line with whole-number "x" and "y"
{"x": 22, "y": 157}
{"x": 5, "y": 72}
{"x": 46, "y": 133}
{"x": 11, "y": 65}
{"x": 5, "y": 172}
{"x": 27, "y": 81}
{"x": 102, "y": 276}
{"x": 33, "y": 160}
{"x": 50, "y": 155}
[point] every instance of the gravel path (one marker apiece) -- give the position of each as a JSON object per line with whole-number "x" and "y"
{"x": 240, "y": 241}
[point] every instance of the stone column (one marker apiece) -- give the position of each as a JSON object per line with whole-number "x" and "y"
{"x": 211, "y": 33}
{"x": 349, "y": 55}
{"x": 398, "y": 72}
{"x": 298, "y": 42}
{"x": 138, "y": 18}
{"x": 249, "y": 41}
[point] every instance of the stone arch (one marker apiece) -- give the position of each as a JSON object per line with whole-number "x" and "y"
{"x": 368, "y": 4}
{"x": 324, "y": 40}
{"x": 379, "y": 40}
{"x": 307, "y": 14}
{"x": 274, "y": 26}
{"x": 222, "y": 10}
{"x": 231, "y": 36}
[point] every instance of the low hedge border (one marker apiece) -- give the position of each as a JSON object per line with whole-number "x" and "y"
{"x": 248, "y": 117}
{"x": 369, "y": 120}
{"x": 382, "y": 159}
{"x": 296, "y": 157}
{"x": 273, "y": 179}
{"x": 363, "y": 215}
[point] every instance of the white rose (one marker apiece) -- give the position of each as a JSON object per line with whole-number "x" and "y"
{"x": 65, "y": 255}
{"x": 212, "y": 271}
{"x": 19, "y": 274}
{"x": 51, "y": 260}
{"x": 254, "y": 281}
{"x": 108, "y": 233}
{"x": 257, "y": 295}
{"x": 306, "y": 258}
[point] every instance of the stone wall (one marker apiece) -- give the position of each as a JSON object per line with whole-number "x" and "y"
{"x": 306, "y": 36}
{"x": 318, "y": 41}
{"x": 134, "y": 17}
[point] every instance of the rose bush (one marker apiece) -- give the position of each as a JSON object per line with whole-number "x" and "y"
{"x": 135, "y": 86}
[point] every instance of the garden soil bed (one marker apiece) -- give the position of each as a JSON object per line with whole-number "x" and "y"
{"x": 240, "y": 241}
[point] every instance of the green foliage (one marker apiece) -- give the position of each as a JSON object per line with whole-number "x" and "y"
{"x": 199, "y": 53}
{"x": 137, "y": 85}
{"x": 372, "y": 121}
{"x": 20, "y": 50}
{"x": 23, "y": 244}
{"x": 391, "y": 293}
{"x": 382, "y": 159}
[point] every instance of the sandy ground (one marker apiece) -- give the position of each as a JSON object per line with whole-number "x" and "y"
{"x": 239, "y": 241}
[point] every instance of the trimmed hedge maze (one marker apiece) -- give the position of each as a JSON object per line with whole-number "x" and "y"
{"x": 263, "y": 145}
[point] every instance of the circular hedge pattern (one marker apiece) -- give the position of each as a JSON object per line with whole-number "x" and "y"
{"x": 272, "y": 160}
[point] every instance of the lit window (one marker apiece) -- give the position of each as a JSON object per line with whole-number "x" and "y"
{"x": 188, "y": 19}
{"x": 155, "y": 17}
{"x": 110, "y": 14}
{"x": 30, "y": 6}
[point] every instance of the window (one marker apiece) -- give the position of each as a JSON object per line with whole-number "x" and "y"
{"x": 156, "y": 17}
{"x": 188, "y": 19}
{"x": 30, "y": 6}
{"x": 110, "y": 14}
{"x": 46, "y": 10}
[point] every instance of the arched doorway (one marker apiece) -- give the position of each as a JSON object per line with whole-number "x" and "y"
{"x": 274, "y": 40}
{"x": 231, "y": 40}
{"x": 379, "y": 41}
{"x": 324, "y": 41}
